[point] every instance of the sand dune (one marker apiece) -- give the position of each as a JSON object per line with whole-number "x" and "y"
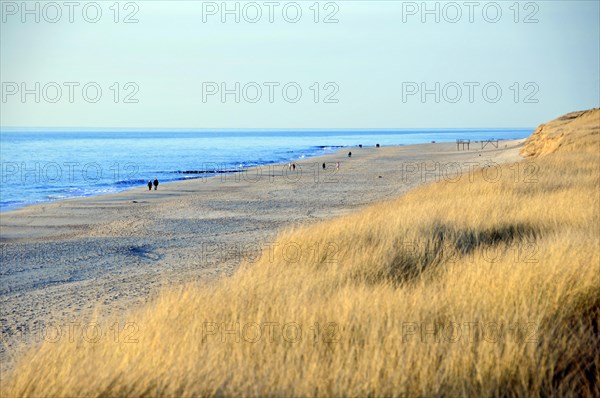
{"x": 573, "y": 131}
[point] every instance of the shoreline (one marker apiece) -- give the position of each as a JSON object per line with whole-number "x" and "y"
{"x": 213, "y": 174}
{"x": 66, "y": 259}
{"x": 338, "y": 149}
{"x": 207, "y": 174}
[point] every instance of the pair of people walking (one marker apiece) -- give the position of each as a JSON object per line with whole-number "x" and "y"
{"x": 150, "y": 184}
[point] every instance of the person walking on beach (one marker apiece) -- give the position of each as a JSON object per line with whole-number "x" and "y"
{"x": 349, "y": 154}
{"x": 324, "y": 166}
{"x": 149, "y": 185}
{"x": 155, "y": 184}
{"x": 337, "y": 166}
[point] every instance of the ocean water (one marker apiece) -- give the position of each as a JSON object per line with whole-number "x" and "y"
{"x": 40, "y": 166}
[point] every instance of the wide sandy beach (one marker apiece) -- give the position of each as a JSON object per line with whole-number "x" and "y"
{"x": 63, "y": 260}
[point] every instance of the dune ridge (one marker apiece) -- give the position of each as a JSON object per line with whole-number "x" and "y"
{"x": 573, "y": 131}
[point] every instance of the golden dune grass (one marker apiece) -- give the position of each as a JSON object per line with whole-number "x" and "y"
{"x": 515, "y": 263}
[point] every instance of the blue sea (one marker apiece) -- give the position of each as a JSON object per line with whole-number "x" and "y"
{"x": 40, "y": 166}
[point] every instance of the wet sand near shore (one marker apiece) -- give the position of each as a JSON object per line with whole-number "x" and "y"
{"x": 63, "y": 260}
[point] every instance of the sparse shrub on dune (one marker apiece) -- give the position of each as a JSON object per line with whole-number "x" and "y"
{"x": 472, "y": 288}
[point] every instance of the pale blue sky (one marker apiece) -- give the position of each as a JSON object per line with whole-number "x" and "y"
{"x": 370, "y": 55}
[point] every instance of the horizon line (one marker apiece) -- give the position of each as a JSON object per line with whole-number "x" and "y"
{"x": 242, "y": 129}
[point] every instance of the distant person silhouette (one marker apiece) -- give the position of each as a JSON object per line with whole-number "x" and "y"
{"x": 324, "y": 166}
{"x": 349, "y": 154}
{"x": 155, "y": 184}
{"x": 149, "y": 185}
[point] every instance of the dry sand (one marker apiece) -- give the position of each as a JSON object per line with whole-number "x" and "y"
{"x": 63, "y": 260}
